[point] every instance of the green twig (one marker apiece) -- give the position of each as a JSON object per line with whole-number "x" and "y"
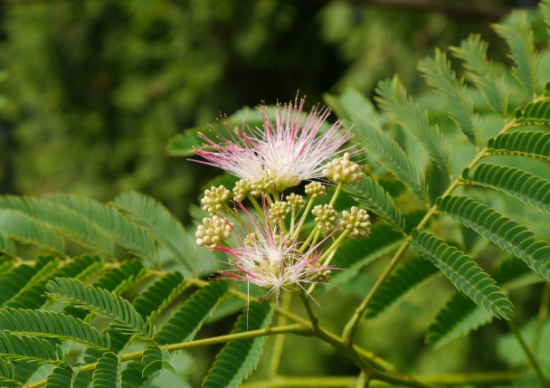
{"x": 280, "y": 339}
{"x": 543, "y": 313}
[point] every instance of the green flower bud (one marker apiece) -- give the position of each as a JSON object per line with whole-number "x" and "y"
{"x": 214, "y": 198}
{"x": 214, "y": 231}
{"x": 316, "y": 190}
{"x": 296, "y": 201}
{"x": 279, "y": 210}
{"x": 343, "y": 170}
{"x": 325, "y": 217}
{"x": 357, "y": 221}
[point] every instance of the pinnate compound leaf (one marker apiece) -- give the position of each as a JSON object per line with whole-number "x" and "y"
{"x": 21, "y": 227}
{"x": 519, "y": 36}
{"x": 473, "y": 51}
{"x": 439, "y": 75}
{"x": 390, "y": 154}
{"x": 61, "y": 377}
{"x": 99, "y": 301}
{"x": 159, "y": 294}
{"x": 238, "y": 359}
{"x": 107, "y": 373}
{"x": 7, "y": 371}
{"x": 504, "y": 232}
{"x": 458, "y": 318}
{"x": 155, "y": 359}
{"x": 532, "y": 144}
{"x": 159, "y": 222}
{"x": 373, "y": 197}
{"x": 528, "y": 188}
{"x": 112, "y": 223}
{"x": 464, "y": 273}
{"x": 403, "y": 281}
{"x": 7, "y": 246}
{"x": 42, "y": 323}
{"x": 184, "y": 324}
{"x": 31, "y": 349}
{"x": 534, "y": 114}
{"x": 393, "y": 99}
{"x": 20, "y": 277}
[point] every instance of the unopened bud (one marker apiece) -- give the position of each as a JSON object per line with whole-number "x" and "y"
{"x": 214, "y": 199}
{"x": 343, "y": 170}
{"x": 325, "y": 217}
{"x": 357, "y": 221}
{"x": 214, "y": 231}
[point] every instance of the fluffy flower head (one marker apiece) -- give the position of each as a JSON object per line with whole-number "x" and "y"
{"x": 283, "y": 153}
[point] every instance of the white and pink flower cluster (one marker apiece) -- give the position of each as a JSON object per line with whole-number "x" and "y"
{"x": 271, "y": 247}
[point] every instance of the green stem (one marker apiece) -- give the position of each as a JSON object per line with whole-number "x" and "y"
{"x": 257, "y": 206}
{"x": 315, "y": 232}
{"x": 336, "y": 193}
{"x": 543, "y": 313}
{"x": 279, "y": 340}
{"x": 529, "y": 354}
{"x": 304, "y": 216}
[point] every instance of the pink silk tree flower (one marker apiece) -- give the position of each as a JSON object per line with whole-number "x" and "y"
{"x": 284, "y": 153}
{"x": 271, "y": 259}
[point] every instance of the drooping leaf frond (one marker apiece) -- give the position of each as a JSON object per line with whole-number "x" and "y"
{"x": 19, "y": 226}
{"x": 373, "y": 197}
{"x": 464, "y": 273}
{"x": 393, "y": 99}
{"x": 534, "y": 114}
{"x": 42, "y": 323}
{"x": 404, "y": 280}
{"x": 532, "y": 144}
{"x": 473, "y": 51}
{"x": 184, "y": 324}
{"x": 112, "y": 223}
{"x": 238, "y": 359}
{"x": 155, "y": 359}
{"x": 99, "y": 301}
{"x": 439, "y": 75}
{"x": 31, "y": 349}
{"x": 519, "y": 36}
{"x": 159, "y": 222}
{"x": 61, "y": 377}
{"x": 63, "y": 220}
{"x": 390, "y": 154}
{"x": 458, "y": 318}
{"x": 528, "y": 188}
{"x": 502, "y": 231}
{"x": 107, "y": 373}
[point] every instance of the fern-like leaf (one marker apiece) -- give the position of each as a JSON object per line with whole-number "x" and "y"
{"x": 184, "y": 324}
{"x": 158, "y": 221}
{"x": 7, "y": 246}
{"x": 239, "y": 358}
{"x": 32, "y": 349}
{"x": 403, "y": 281}
{"x": 132, "y": 376}
{"x": 373, "y": 197}
{"x": 352, "y": 102}
{"x": 502, "y": 231}
{"x": 41, "y": 323}
{"x": 7, "y": 371}
{"x": 459, "y": 316}
{"x": 514, "y": 271}
{"x": 63, "y": 220}
{"x": 464, "y": 273}
{"x": 519, "y": 36}
{"x": 390, "y": 154}
{"x": 99, "y": 301}
{"x": 107, "y": 373}
{"x": 534, "y": 114}
{"x": 61, "y": 377}
{"x": 155, "y": 359}
{"x": 159, "y": 294}
{"x": 528, "y": 188}
{"x": 393, "y": 99}
{"x": 21, "y": 227}
{"x": 439, "y": 75}
{"x": 473, "y": 51}
{"x": 112, "y": 223}
{"x": 532, "y": 144}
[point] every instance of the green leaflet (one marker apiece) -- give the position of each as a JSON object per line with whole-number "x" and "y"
{"x": 112, "y": 223}
{"x": 31, "y": 349}
{"x": 532, "y": 144}
{"x": 21, "y": 227}
{"x": 439, "y": 75}
{"x": 132, "y": 376}
{"x": 155, "y": 359}
{"x": 100, "y": 301}
{"x": 63, "y": 220}
{"x": 404, "y": 280}
{"x": 374, "y": 198}
{"x": 184, "y": 324}
{"x": 107, "y": 373}
{"x": 159, "y": 222}
{"x": 393, "y": 99}
{"x": 464, "y": 273}
{"x": 535, "y": 113}
{"x": 504, "y": 232}
{"x": 528, "y": 188}
{"x": 390, "y": 154}
{"x": 61, "y": 377}
{"x": 459, "y": 316}
{"x": 238, "y": 359}
{"x": 42, "y": 323}
{"x": 473, "y": 51}
{"x": 519, "y": 36}
{"x": 7, "y": 371}
{"x": 7, "y": 246}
